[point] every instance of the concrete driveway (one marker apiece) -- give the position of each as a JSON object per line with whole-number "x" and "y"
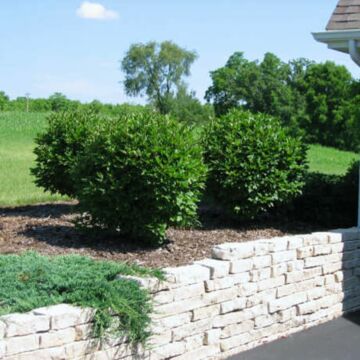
{"x": 335, "y": 340}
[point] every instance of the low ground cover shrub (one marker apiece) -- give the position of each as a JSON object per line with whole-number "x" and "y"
{"x": 29, "y": 281}
{"x": 139, "y": 176}
{"x": 57, "y": 148}
{"x": 253, "y": 163}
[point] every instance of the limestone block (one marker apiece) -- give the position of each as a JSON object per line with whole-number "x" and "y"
{"x": 296, "y": 265}
{"x": 161, "y": 339}
{"x": 297, "y": 276}
{"x": 189, "y": 274}
{"x": 308, "y": 307}
{"x": 81, "y": 348}
{"x": 24, "y": 324}
{"x": 261, "y": 297}
{"x": 217, "y": 297}
{"x": 286, "y": 315}
{"x": 20, "y": 344}
{"x": 2, "y": 329}
{"x": 315, "y": 261}
{"x": 233, "y": 251}
{"x": 194, "y": 342}
{"x": 189, "y": 291}
{"x": 261, "y": 248}
{"x": 239, "y": 316}
{"x": 219, "y": 284}
{"x": 240, "y": 278}
{"x": 212, "y": 337}
{"x": 260, "y": 262}
{"x": 295, "y": 287}
{"x": 237, "y": 329}
{"x": 167, "y": 351}
{"x": 337, "y": 247}
{"x": 45, "y": 354}
{"x": 322, "y": 250}
{"x": 264, "y": 321}
{"x": 305, "y": 252}
{"x": 240, "y": 266}
{"x": 277, "y": 244}
{"x": 204, "y": 352}
{"x": 170, "y": 322}
{"x": 339, "y": 276}
{"x": 283, "y": 256}
{"x": 279, "y": 269}
{"x": 218, "y": 268}
{"x": 261, "y": 274}
{"x": 287, "y": 302}
{"x": 247, "y": 289}
{"x": 330, "y": 268}
{"x": 179, "y": 307}
{"x": 206, "y": 312}
{"x": 317, "y": 238}
{"x": 197, "y": 327}
{"x": 57, "y": 338}
{"x": 271, "y": 283}
{"x": 316, "y": 293}
{"x": 151, "y": 284}
{"x": 163, "y": 297}
{"x": 84, "y": 331}
{"x": 295, "y": 242}
{"x": 232, "y": 305}
{"x": 63, "y": 315}
{"x": 235, "y": 341}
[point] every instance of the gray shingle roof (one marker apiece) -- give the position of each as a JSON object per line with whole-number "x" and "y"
{"x": 346, "y": 16}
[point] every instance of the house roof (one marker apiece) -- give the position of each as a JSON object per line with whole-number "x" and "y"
{"x": 346, "y": 16}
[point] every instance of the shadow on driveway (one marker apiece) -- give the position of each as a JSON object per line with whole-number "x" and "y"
{"x": 336, "y": 340}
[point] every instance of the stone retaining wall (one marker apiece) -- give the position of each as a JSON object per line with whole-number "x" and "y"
{"x": 246, "y": 295}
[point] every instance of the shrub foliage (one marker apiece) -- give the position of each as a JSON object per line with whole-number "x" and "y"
{"x": 57, "y": 148}
{"x": 29, "y": 281}
{"x": 141, "y": 175}
{"x": 253, "y": 163}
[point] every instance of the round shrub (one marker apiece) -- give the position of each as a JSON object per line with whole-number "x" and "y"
{"x": 139, "y": 176}
{"x": 57, "y": 148}
{"x": 253, "y": 163}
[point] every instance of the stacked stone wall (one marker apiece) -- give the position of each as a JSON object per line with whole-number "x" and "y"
{"x": 246, "y": 295}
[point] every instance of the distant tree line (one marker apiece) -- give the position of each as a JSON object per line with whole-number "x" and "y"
{"x": 319, "y": 101}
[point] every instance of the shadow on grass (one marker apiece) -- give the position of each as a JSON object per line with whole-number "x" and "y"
{"x": 41, "y": 211}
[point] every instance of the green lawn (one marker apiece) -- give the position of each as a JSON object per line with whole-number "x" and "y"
{"x": 330, "y": 161}
{"x": 17, "y": 133}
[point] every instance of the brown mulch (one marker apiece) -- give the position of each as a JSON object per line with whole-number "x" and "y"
{"x": 48, "y": 229}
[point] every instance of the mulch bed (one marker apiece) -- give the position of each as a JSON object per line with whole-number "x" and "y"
{"x": 49, "y": 229}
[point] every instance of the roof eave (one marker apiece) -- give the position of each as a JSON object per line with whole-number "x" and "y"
{"x": 338, "y": 39}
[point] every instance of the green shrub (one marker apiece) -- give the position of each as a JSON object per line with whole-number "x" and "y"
{"x": 253, "y": 163}
{"x": 57, "y": 148}
{"x": 141, "y": 175}
{"x": 30, "y": 281}
{"x": 327, "y": 200}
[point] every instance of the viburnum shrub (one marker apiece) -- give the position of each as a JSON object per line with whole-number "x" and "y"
{"x": 140, "y": 175}
{"x": 253, "y": 163}
{"x": 57, "y": 148}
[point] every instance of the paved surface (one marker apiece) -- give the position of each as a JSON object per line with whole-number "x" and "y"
{"x": 335, "y": 340}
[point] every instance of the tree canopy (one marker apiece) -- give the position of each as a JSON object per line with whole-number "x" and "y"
{"x": 156, "y": 71}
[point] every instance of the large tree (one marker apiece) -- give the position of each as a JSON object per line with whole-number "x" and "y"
{"x": 256, "y": 86}
{"x": 156, "y": 71}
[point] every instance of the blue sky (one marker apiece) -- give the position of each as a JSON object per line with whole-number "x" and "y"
{"x": 74, "y": 46}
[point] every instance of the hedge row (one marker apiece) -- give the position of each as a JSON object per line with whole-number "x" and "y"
{"x": 141, "y": 173}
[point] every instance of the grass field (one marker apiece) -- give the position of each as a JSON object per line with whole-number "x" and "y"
{"x": 329, "y": 160}
{"x": 17, "y": 133}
